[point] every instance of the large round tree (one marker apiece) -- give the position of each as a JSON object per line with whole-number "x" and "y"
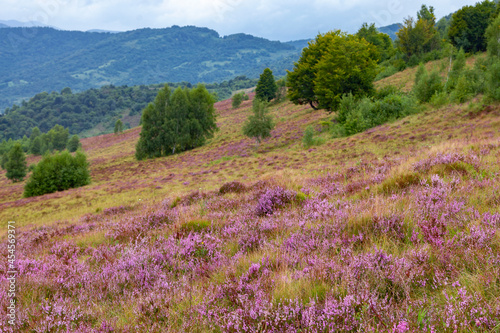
{"x": 332, "y": 65}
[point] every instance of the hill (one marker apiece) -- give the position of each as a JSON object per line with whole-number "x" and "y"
{"x": 44, "y": 59}
{"x": 94, "y": 111}
{"x": 394, "y": 229}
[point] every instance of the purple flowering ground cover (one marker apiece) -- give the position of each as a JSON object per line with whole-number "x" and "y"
{"x": 363, "y": 234}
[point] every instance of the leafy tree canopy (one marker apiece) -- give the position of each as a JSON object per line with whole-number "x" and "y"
{"x": 16, "y": 163}
{"x": 332, "y": 65}
{"x": 176, "y": 122}
{"x": 468, "y": 26}
{"x": 260, "y": 124}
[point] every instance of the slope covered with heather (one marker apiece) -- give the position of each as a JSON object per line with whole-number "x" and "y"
{"x": 396, "y": 229}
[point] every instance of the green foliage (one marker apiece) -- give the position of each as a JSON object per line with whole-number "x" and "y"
{"x": 3, "y": 161}
{"x": 281, "y": 92}
{"x": 418, "y": 37}
{"x": 426, "y": 85}
{"x": 16, "y": 163}
{"x": 74, "y": 144}
{"x": 58, "y": 172}
{"x": 266, "y": 87}
{"x": 457, "y": 70}
{"x": 176, "y": 122}
{"x": 36, "y": 147}
{"x": 95, "y": 111}
{"x": 493, "y": 38}
{"x": 195, "y": 226}
{"x": 57, "y": 137}
{"x": 468, "y": 26}
{"x": 493, "y": 80}
{"x": 462, "y": 91}
{"x": 308, "y": 138}
{"x": 440, "y": 99}
{"x": 357, "y": 115}
{"x": 260, "y": 124}
{"x": 384, "y": 72}
{"x": 381, "y": 41}
{"x": 118, "y": 127}
{"x": 237, "y": 100}
{"x": 331, "y": 66}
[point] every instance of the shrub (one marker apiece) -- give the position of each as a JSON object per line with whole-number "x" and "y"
{"x": 462, "y": 91}
{"x": 232, "y": 187}
{"x": 58, "y": 172}
{"x": 118, "y": 127}
{"x": 493, "y": 81}
{"x": 308, "y": 138}
{"x": 74, "y": 144}
{"x": 426, "y": 85}
{"x": 386, "y": 72}
{"x": 440, "y": 99}
{"x": 237, "y": 100}
{"x": 260, "y": 124}
{"x": 273, "y": 199}
{"x": 355, "y": 116}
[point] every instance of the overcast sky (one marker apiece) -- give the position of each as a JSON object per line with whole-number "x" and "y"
{"x": 273, "y": 19}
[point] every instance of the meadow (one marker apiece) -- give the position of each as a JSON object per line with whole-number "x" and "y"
{"x": 396, "y": 229}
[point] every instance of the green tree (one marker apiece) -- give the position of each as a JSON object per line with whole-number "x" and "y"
{"x": 331, "y": 66}
{"x": 237, "y": 100}
{"x": 16, "y": 164}
{"x": 260, "y": 124}
{"x": 493, "y": 38}
{"x": 58, "y": 172}
{"x": 74, "y": 144}
{"x": 176, "y": 121}
{"x": 421, "y": 36}
{"x": 266, "y": 87}
{"x": 469, "y": 24}
{"x": 36, "y": 147}
{"x": 381, "y": 41}
{"x": 58, "y": 137}
{"x": 4, "y": 160}
{"x": 118, "y": 126}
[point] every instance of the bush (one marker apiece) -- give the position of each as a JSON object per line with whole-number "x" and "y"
{"x": 232, "y": 187}
{"x": 273, "y": 199}
{"x": 386, "y": 72}
{"x": 237, "y": 100}
{"x": 195, "y": 226}
{"x": 493, "y": 81}
{"x": 260, "y": 124}
{"x": 440, "y": 99}
{"x": 74, "y": 144}
{"x": 426, "y": 85}
{"x": 58, "y": 172}
{"x": 462, "y": 91}
{"x": 355, "y": 116}
{"x": 308, "y": 138}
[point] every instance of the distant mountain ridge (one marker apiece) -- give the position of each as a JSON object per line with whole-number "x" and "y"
{"x": 46, "y": 59}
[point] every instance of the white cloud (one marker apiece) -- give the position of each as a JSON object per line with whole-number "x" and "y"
{"x": 274, "y": 19}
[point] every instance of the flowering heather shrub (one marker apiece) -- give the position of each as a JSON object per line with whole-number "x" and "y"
{"x": 456, "y": 161}
{"x": 435, "y": 210}
{"x": 273, "y": 199}
{"x": 232, "y": 187}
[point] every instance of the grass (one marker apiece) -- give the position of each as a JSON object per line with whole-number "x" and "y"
{"x": 354, "y": 235}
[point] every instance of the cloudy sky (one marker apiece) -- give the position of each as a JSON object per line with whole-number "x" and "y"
{"x": 274, "y": 19}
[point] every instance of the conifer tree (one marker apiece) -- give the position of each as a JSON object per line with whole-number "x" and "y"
{"x": 266, "y": 87}
{"x": 16, "y": 164}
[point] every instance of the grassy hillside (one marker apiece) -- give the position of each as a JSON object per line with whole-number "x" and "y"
{"x": 45, "y": 59}
{"x": 396, "y": 229}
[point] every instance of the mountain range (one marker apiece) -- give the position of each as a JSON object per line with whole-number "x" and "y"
{"x": 39, "y": 59}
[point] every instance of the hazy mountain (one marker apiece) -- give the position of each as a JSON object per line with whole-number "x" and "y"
{"x": 46, "y": 59}
{"x": 19, "y": 24}
{"x": 390, "y": 30}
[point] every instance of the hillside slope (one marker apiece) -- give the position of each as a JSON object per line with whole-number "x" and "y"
{"x": 44, "y": 59}
{"x": 396, "y": 229}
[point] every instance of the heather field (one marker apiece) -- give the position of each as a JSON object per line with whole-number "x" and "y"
{"x": 396, "y": 229}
